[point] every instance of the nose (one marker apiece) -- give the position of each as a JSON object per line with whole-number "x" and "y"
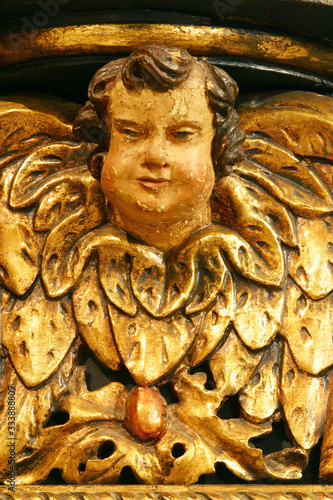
{"x": 156, "y": 155}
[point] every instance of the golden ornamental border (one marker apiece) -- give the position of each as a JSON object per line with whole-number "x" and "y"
{"x": 160, "y": 492}
{"x": 304, "y": 54}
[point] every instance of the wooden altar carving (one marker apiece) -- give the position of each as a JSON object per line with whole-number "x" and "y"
{"x": 184, "y": 244}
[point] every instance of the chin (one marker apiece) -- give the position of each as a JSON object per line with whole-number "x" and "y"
{"x": 156, "y": 215}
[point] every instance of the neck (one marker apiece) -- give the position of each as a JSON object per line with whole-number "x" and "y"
{"x": 164, "y": 237}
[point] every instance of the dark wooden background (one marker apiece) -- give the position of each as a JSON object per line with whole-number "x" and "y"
{"x": 69, "y": 76}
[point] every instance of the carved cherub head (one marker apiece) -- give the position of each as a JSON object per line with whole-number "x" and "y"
{"x": 167, "y": 130}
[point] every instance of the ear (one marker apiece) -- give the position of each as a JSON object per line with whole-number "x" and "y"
{"x": 95, "y": 164}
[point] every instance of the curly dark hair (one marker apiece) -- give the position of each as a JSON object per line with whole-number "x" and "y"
{"x": 162, "y": 68}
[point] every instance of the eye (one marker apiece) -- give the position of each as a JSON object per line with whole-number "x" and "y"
{"x": 183, "y": 135}
{"x": 131, "y": 133}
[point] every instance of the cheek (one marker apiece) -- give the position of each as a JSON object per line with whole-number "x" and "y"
{"x": 198, "y": 181}
{"x": 107, "y": 179}
{"x": 115, "y": 169}
{"x": 110, "y": 176}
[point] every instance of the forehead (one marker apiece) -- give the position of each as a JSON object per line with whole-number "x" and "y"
{"x": 187, "y": 101}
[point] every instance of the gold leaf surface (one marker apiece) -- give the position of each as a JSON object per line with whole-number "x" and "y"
{"x": 213, "y": 324}
{"x": 146, "y": 280}
{"x": 195, "y": 266}
{"x": 301, "y": 201}
{"x": 283, "y": 162}
{"x": 162, "y": 284}
{"x": 304, "y": 400}
{"x": 259, "y": 399}
{"x": 268, "y": 269}
{"x": 198, "y": 457}
{"x": 299, "y": 121}
{"x": 228, "y": 437}
{"x": 114, "y": 275}
{"x": 307, "y": 326}
{"x": 55, "y": 205}
{"x": 236, "y": 201}
{"x": 233, "y": 364}
{"x": 151, "y": 347}
{"x": 212, "y": 276}
{"x": 19, "y": 251}
{"x": 311, "y": 266}
{"x": 38, "y": 334}
{"x": 26, "y": 124}
{"x": 62, "y": 264}
{"x": 26, "y": 121}
{"x": 249, "y": 223}
{"x": 32, "y": 406}
{"x": 91, "y": 314}
{"x": 46, "y": 167}
{"x": 107, "y": 403}
{"x": 258, "y": 313}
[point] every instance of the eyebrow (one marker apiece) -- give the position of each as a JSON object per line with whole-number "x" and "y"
{"x": 186, "y": 123}
{"x": 121, "y": 122}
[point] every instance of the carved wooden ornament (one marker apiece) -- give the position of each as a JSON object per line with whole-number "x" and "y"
{"x": 196, "y": 259}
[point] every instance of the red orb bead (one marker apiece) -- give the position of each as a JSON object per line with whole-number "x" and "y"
{"x": 146, "y": 415}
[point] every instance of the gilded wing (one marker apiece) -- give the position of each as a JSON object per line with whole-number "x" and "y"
{"x": 280, "y": 201}
{"x": 45, "y": 190}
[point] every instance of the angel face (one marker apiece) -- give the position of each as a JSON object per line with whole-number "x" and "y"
{"x": 159, "y": 167}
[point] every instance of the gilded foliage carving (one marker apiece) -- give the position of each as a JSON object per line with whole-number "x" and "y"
{"x": 228, "y": 294}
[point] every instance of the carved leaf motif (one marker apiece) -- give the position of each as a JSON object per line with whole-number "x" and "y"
{"x": 43, "y": 177}
{"x": 228, "y": 438}
{"x": 165, "y": 288}
{"x": 91, "y": 314}
{"x": 61, "y": 272}
{"x": 33, "y": 407}
{"x": 62, "y": 262}
{"x": 283, "y": 162}
{"x": 324, "y": 171}
{"x": 299, "y": 121}
{"x": 260, "y": 397}
{"x": 197, "y": 265}
{"x": 59, "y": 265}
{"x": 19, "y": 251}
{"x": 258, "y": 313}
{"x": 198, "y": 457}
{"x": 212, "y": 276}
{"x": 23, "y": 402}
{"x": 84, "y": 450}
{"x": 114, "y": 271}
{"x": 38, "y": 334}
{"x": 268, "y": 270}
{"x": 204, "y": 248}
{"x": 55, "y": 205}
{"x": 312, "y": 265}
{"x": 107, "y": 403}
{"x": 25, "y": 125}
{"x": 151, "y": 348}
{"x": 81, "y": 462}
{"x": 145, "y": 281}
{"x": 307, "y": 326}
{"x": 29, "y": 121}
{"x": 233, "y": 365}
{"x": 236, "y": 201}
{"x": 45, "y": 168}
{"x": 304, "y": 399}
{"x": 213, "y": 324}
{"x": 301, "y": 201}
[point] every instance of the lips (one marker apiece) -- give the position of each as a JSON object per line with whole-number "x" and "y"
{"x": 153, "y": 182}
